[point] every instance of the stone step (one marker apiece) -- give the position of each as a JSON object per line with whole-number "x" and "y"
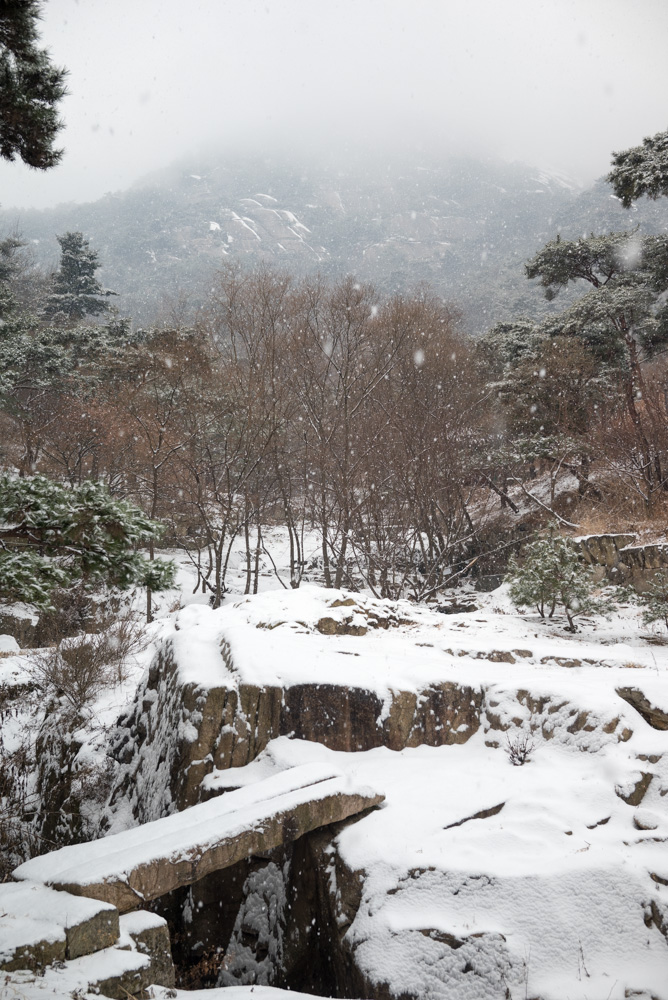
{"x": 139, "y": 957}
{"x": 39, "y": 925}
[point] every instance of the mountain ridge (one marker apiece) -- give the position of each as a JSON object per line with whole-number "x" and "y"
{"x": 464, "y": 227}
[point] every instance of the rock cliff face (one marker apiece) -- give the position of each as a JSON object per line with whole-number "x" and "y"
{"x": 178, "y": 732}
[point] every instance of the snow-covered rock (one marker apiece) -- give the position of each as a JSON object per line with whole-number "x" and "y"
{"x": 149, "y": 861}
{"x": 52, "y": 941}
{"x": 355, "y": 673}
{"x": 475, "y": 879}
{"x": 8, "y": 644}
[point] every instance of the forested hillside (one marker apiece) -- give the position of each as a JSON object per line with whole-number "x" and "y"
{"x": 331, "y": 403}
{"x": 463, "y": 226}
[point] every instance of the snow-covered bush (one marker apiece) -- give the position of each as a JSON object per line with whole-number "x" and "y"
{"x": 53, "y": 535}
{"x": 551, "y": 575}
{"x": 654, "y": 600}
{"x": 519, "y": 749}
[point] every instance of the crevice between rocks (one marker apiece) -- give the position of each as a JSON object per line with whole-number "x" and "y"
{"x": 483, "y": 814}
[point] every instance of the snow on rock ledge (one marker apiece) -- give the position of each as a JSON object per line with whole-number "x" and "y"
{"x": 55, "y": 943}
{"x": 352, "y": 673}
{"x": 40, "y": 926}
{"x": 477, "y": 878}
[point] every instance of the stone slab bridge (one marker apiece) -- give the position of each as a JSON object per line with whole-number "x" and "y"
{"x": 131, "y": 868}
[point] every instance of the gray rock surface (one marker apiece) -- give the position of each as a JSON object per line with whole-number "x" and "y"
{"x": 654, "y": 716}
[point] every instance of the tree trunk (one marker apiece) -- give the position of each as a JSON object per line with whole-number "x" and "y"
{"x": 247, "y": 588}
{"x": 258, "y": 549}
{"x": 651, "y": 474}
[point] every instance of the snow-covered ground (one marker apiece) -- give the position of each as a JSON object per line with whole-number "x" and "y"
{"x": 536, "y": 876}
{"x": 480, "y": 880}
{"x": 480, "y": 876}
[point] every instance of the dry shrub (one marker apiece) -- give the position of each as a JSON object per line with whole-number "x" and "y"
{"x": 620, "y": 511}
{"x": 78, "y": 669}
{"x": 519, "y": 749}
{"x": 72, "y": 613}
{"x": 595, "y": 520}
{"x": 18, "y": 840}
{"x": 76, "y": 610}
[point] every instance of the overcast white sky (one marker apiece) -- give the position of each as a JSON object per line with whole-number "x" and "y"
{"x": 556, "y": 83}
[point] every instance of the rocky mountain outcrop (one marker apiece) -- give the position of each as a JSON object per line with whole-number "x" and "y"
{"x": 464, "y": 226}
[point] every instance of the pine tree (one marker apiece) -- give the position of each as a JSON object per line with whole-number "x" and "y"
{"x": 38, "y": 362}
{"x": 642, "y": 170}
{"x": 654, "y": 600}
{"x": 622, "y": 320}
{"x": 52, "y": 535}
{"x": 551, "y": 575}
{"x": 8, "y": 267}
{"x": 30, "y": 88}
{"x": 76, "y": 292}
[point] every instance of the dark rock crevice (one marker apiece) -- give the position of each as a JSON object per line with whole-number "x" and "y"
{"x": 654, "y": 716}
{"x": 257, "y": 923}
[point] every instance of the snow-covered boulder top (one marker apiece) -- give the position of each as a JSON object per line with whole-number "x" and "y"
{"x": 473, "y": 865}
{"x": 70, "y": 946}
{"x": 354, "y": 673}
{"x": 40, "y": 925}
{"x": 8, "y": 644}
{"x": 314, "y": 635}
{"x": 269, "y": 623}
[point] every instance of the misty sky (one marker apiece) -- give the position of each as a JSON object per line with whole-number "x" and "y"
{"x": 556, "y": 83}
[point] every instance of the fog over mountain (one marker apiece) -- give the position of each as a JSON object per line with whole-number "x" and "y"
{"x": 465, "y": 227}
{"x": 379, "y": 138}
{"x": 557, "y": 83}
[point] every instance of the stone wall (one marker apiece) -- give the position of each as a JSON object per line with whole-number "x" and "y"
{"x": 619, "y": 560}
{"x": 176, "y": 733}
